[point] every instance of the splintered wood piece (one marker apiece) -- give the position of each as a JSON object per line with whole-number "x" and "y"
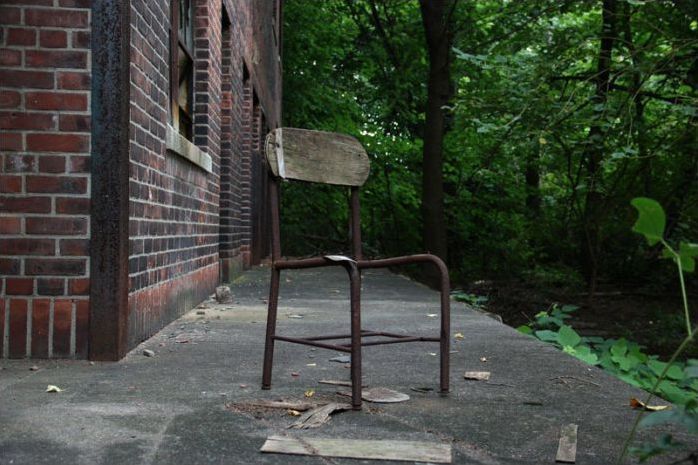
{"x": 567, "y": 449}
{"x": 318, "y": 416}
{"x": 409, "y": 451}
{"x": 379, "y": 395}
{"x": 317, "y": 156}
{"x": 299, "y": 405}
{"x": 336, "y": 382}
{"x": 477, "y": 375}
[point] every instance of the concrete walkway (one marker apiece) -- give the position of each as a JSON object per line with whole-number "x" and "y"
{"x": 171, "y": 408}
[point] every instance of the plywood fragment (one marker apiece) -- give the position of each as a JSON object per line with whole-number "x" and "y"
{"x": 409, "y": 451}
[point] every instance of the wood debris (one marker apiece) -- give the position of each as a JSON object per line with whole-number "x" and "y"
{"x": 409, "y": 451}
{"x": 379, "y": 395}
{"x": 318, "y": 416}
{"x": 567, "y": 448}
{"x": 638, "y": 404}
{"x": 477, "y": 375}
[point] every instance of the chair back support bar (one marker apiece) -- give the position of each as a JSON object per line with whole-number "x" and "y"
{"x": 317, "y": 156}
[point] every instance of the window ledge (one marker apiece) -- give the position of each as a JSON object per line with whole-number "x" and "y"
{"x": 178, "y": 144}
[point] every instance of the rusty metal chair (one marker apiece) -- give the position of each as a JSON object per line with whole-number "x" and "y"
{"x": 330, "y": 158}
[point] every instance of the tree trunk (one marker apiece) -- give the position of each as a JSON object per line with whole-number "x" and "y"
{"x": 438, "y": 31}
{"x": 532, "y": 175}
{"x": 594, "y": 152}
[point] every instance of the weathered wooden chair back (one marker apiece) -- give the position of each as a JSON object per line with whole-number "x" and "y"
{"x": 317, "y": 156}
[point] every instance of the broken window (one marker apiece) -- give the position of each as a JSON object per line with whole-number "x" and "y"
{"x": 182, "y": 66}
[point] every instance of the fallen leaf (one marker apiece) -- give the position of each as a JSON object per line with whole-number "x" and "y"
{"x": 309, "y": 393}
{"x": 432, "y": 315}
{"x": 293, "y": 413}
{"x": 638, "y": 404}
{"x": 295, "y": 374}
{"x": 52, "y": 388}
{"x": 433, "y": 354}
{"x": 243, "y": 386}
{"x": 148, "y": 353}
{"x": 311, "y": 364}
{"x": 477, "y": 375}
{"x": 33, "y": 368}
{"x": 483, "y": 359}
{"x": 458, "y": 336}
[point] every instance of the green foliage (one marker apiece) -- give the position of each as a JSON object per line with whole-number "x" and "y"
{"x": 651, "y": 220}
{"x": 620, "y": 357}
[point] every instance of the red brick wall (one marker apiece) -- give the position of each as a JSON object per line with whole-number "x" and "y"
{"x": 44, "y": 178}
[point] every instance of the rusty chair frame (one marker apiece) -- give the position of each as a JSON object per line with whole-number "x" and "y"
{"x": 353, "y": 265}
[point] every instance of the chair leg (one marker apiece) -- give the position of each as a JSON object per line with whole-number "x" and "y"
{"x": 445, "y": 329}
{"x": 355, "y": 302}
{"x": 271, "y": 328}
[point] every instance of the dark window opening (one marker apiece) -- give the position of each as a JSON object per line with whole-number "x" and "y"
{"x": 182, "y": 66}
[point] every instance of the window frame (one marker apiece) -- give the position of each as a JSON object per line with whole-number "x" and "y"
{"x": 178, "y": 43}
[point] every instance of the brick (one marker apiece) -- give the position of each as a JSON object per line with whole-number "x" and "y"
{"x": 25, "y": 204}
{"x": 79, "y": 286}
{"x": 19, "y": 163}
{"x": 56, "y": 18}
{"x": 11, "y": 142}
{"x": 9, "y": 99}
{"x": 10, "y": 225}
{"x": 27, "y": 246}
{"x": 20, "y": 36}
{"x": 19, "y": 286}
{"x": 10, "y": 15}
{"x": 55, "y": 59}
{"x": 74, "y": 247}
{"x": 80, "y": 39}
{"x": 82, "y": 327}
{"x": 53, "y": 142}
{"x": 79, "y": 164}
{"x": 10, "y": 57}
{"x": 56, "y": 226}
{"x": 24, "y": 120}
{"x": 62, "y": 322}
{"x": 10, "y": 184}
{"x": 53, "y": 39}
{"x": 74, "y": 123}
{"x": 56, "y": 184}
{"x": 9, "y": 266}
{"x": 40, "y": 321}
{"x": 54, "y": 267}
{"x": 26, "y": 79}
{"x": 76, "y": 3}
{"x": 73, "y": 80}
{"x": 52, "y": 164}
{"x": 50, "y": 286}
{"x": 55, "y": 101}
{"x": 73, "y": 205}
{"x": 18, "y": 328}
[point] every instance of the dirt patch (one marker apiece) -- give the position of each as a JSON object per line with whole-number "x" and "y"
{"x": 652, "y": 320}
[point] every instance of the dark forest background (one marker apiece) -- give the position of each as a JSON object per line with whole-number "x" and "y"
{"x": 507, "y": 137}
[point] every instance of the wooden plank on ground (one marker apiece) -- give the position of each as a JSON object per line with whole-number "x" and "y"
{"x": 567, "y": 449}
{"x": 409, "y": 451}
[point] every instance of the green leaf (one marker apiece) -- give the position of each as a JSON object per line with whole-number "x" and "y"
{"x": 687, "y": 254}
{"x": 584, "y": 354}
{"x": 525, "y": 329}
{"x": 568, "y": 336}
{"x": 651, "y": 220}
{"x": 546, "y": 335}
